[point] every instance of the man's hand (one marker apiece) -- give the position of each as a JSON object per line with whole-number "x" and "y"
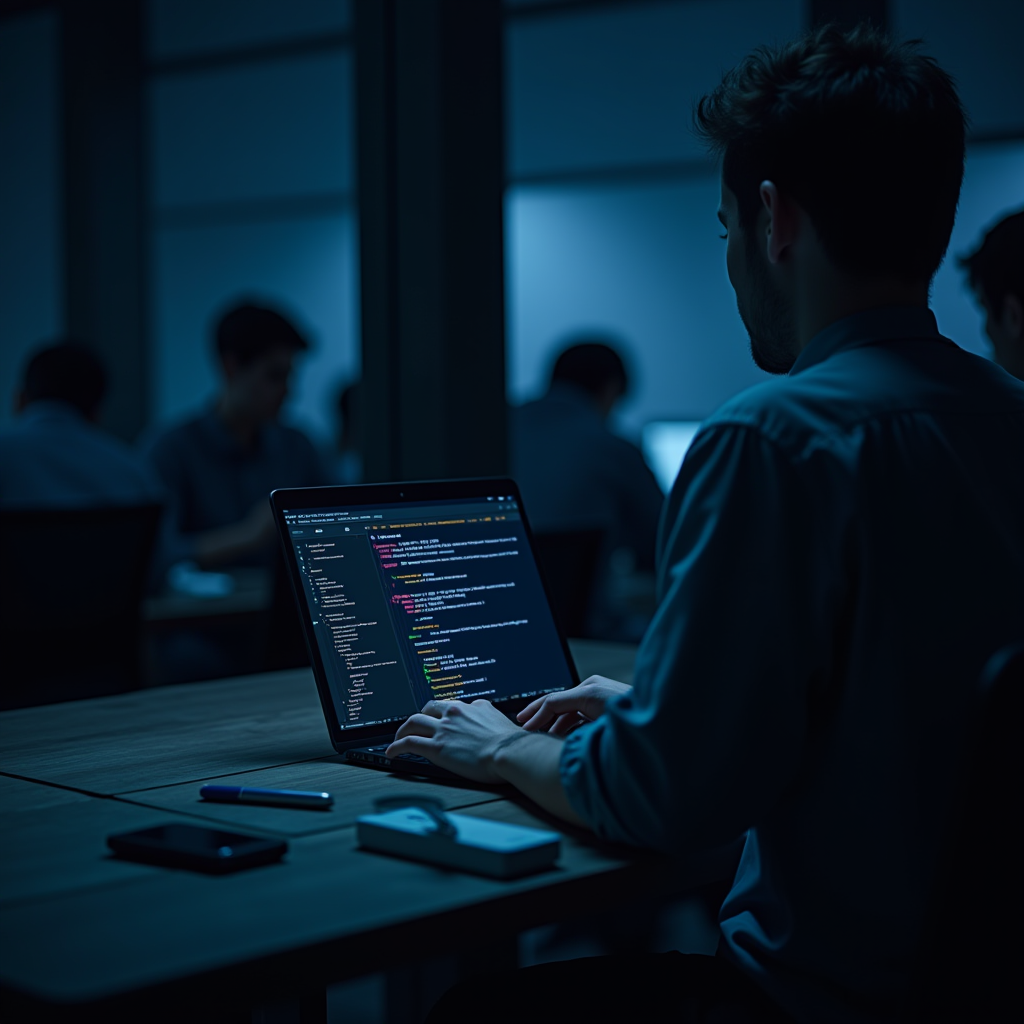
{"x": 570, "y": 708}
{"x": 478, "y": 741}
{"x": 463, "y": 738}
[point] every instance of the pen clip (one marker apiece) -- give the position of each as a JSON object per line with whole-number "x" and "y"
{"x": 431, "y": 807}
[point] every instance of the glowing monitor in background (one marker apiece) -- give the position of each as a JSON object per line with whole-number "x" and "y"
{"x": 665, "y": 444}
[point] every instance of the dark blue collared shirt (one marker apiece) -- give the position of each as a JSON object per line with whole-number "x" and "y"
{"x": 213, "y": 481}
{"x": 574, "y": 473}
{"x": 840, "y": 555}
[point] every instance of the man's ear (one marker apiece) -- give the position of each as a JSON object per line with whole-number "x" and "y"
{"x": 783, "y": 221}
{"x": 1013, "y": 316}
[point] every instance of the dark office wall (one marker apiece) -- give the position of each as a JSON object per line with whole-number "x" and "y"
{"x": 31, "y": 247}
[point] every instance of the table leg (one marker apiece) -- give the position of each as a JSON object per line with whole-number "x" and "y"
{"x": 413, "y": 989}
{"x": 313, "y": 1006}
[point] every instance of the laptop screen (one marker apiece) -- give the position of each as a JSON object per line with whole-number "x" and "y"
{"x": 430, "y": 600}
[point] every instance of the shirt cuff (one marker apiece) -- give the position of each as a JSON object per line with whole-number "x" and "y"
{"x": 573, "y": 764}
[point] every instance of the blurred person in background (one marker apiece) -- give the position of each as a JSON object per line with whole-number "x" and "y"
{"x": 995, "y": 271}
{"x": 575, "y": 474}
{"x": 219, "y": 467}
{"x": 55, "y": 455}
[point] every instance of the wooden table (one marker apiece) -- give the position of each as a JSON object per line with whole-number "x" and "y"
{"x": 112, "y": 939}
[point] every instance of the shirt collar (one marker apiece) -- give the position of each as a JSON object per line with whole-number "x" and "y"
{"x": 866, "y": 328}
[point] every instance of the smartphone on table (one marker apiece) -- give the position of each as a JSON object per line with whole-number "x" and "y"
{"x": 199, "y": 849}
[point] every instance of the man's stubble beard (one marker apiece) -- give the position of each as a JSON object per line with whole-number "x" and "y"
{"x": 768, "y": 318}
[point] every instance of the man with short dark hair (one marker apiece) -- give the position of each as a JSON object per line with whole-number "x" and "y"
{"x": 55, "y": 455}
{"x": 995, "y": 271}
{"x": 840, "y": 556}
{"x": 219, "y": 467}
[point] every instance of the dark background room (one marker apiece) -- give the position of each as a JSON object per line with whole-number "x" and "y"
{"x": 439, "y": 196}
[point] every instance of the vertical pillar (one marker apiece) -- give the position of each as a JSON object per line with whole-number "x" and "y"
{"x": 431, "y": 177}
{"x": 104, "y": 196}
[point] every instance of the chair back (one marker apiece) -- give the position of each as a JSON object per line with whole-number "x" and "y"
{"x": 568, "y": 563}
{"x": 973, "y": 952}
{"x": 72, "y": 587}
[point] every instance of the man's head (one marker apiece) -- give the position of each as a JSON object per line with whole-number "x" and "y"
{"x": 593, "y": 366}
{"x": 256, "y": 348}
{"x": 858, "y": 136}
{"x": 996, "y": 274}
{"x": 66, "y": 372}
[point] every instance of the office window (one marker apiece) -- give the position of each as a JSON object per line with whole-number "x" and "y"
{"x": 612, "y": 87}
{"x": 992, "y": 189}
{"x": 610, "y": 212}
{"x": 610, "y": 209}
{"x": 978, "y": 42}
{"x": 276, "y": 129}
{"x": 31, "y": 250}
{"x": 251, "y": 144}
{"x": 642, "y": 260}
{"x": 194, "y": 27}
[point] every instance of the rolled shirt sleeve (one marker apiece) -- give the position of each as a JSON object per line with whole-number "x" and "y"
{"x": 714, "y": 728}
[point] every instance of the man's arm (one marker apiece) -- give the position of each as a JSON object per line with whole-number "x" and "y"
{"x": 715, "y": 727}
{"x": 530, "y": 762}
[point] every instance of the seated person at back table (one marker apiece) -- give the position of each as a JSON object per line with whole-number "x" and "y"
{"x": 55, "y": 454}
{"x": 220, "y": 466}
{"x": 995, "y": 271}
{"x": 575, "y": 474}
{"x": 841, "y": 555}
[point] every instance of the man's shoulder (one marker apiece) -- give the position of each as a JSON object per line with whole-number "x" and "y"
{"x": 871, "y": 382}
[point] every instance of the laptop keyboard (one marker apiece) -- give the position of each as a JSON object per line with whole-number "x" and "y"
{"x": 401, "y": 757}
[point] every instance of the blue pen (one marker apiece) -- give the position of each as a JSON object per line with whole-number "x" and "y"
{"x": 273, "y": 797}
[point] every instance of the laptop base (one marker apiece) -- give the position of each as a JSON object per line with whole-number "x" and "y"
{"x": 404, "y": 764}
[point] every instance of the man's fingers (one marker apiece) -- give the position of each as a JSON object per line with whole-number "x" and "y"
{"x": 434, "y": 708}
{"x": 566, "y": 723}
{"x": 554, "y": 704}
{"x": 417, "y": 725}
{"x": 531, "y": 709}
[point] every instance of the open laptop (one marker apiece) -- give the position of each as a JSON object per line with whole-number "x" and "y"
{"x": 412, "y": 592}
